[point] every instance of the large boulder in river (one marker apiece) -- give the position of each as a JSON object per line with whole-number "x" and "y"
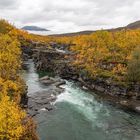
{"x": 52, "y": 81}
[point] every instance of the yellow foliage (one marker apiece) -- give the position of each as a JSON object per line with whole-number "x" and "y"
{"x": 9, "y": 57}
{"x": 11, "y": 117}
{"x": 13, "y": 125}
{"x": 5, "y": 27}
{"x": 105, "y": 52}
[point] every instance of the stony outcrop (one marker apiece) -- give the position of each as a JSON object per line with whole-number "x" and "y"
{"x": 112, "y": 89}
{"x": 54, "y": 60}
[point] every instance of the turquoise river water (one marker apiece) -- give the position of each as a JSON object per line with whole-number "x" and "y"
{"x": 79, "y": 115}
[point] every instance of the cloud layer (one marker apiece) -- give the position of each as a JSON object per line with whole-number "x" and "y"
{"x": 70, "y": 15}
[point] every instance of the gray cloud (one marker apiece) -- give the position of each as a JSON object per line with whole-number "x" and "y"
{"x": 6, "y": 4}
{"x": 73, "y": 15}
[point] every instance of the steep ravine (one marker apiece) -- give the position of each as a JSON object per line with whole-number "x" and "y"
{"x": 59, "y": 59}
{"x": 76, "y": 114}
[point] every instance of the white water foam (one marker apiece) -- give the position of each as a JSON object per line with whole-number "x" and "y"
{"x": 83, "y": 102}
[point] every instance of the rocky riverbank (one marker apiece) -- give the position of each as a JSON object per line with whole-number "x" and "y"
{"x": 59, "y": 60}
{"x": 44, "y": 90}
{"x": 42, "y": 100}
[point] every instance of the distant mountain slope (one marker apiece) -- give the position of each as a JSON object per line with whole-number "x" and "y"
{"x": 34, "y": 28}
{"x": 74, "y": 33}
{"x": 134, "y": 25}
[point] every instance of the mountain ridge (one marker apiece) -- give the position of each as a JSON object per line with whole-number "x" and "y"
{"x": 133, "y": 25}
{"x": 33, "y": 28}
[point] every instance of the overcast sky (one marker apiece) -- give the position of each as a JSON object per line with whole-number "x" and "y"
{"x": 70, "y": 15}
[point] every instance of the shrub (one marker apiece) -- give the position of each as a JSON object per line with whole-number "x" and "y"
{"x": 134, "y": 67}
{"x": 5, "y": 27}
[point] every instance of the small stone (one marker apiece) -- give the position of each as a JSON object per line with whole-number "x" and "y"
{"x": 85, "y": 88}
{"x": 137, "y": 109}
{"x": 124, "y": 102}
{"x": 44, "y": 78}
{"x": 49, "y": 107}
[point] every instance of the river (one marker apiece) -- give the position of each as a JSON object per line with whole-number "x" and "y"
{"x": 80, "y": 115}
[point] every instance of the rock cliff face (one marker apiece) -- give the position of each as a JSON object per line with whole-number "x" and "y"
{"x": 49, "y": 60}
{"x": 54, "y": 60}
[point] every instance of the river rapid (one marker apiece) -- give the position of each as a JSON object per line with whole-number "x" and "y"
{"x": 80, "y": 115}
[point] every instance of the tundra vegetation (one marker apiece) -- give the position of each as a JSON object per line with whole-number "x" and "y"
{"x": 103, "y": 54}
